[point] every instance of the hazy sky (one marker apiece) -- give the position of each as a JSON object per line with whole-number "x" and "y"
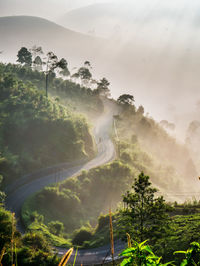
{"x": 50, "y": 9}
{"x": 160, "y": 62}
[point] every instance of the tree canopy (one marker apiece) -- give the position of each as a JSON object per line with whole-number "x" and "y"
{"x": 126, "y": 99}
{"x": 24, "y": 57}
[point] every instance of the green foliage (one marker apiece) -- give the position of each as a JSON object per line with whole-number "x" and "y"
{"x": 184, "y": 229}
{"x": 81, "y": 196}
{"x": 192, "y": 255}
{"x": 53, "y": 239}
{"x": 56, "y": 227}
{"x": 103, "y": 221}
{"x": 2, "y": 194}
{"x": 141, "y": 254}
{"x": 25, "y": 257}
{"x": 36, "y": 132}
{"x": 6, "y": 227}
{"x": 31, "y": 249}
{"x": 81, "y": 235}
{"x": 144, "y": 215}
{"x": 75, "y": 96}
{"x": 36, "y": 241}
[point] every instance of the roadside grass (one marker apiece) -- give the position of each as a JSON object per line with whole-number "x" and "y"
{"x": 184, "y": 228}
{"x": 28, "y": 211}
{"x": 33, "y": 222}
{"x": 56, "y": 241}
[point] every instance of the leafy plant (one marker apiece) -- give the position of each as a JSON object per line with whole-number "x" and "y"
{"x": 192, "y": 255}
{"x": 141, "y": 254}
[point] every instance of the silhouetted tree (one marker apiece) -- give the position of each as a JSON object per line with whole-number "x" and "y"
{"x": 103, "y": 87}
{"x": 140, "y": 110}
{"x": 53, "y": 63}
{"x": 36, "y": 52}
{"x": 37, "y": 63}
{"x": 64, "y": 68}
{"x": 87, "y": 64}
{"x": 126, "y": 99}
{"x": 24, "y": 57}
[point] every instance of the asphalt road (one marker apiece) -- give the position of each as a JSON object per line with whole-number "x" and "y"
{"x": 105, "y": 154}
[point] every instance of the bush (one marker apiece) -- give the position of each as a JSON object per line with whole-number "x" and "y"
{"x": 103, "y": 221}
{"x": 36, "y": 241}
{"x": 126, "y": 157}
{"x": 81, "y": 235}
{"x": 56, "y": 227}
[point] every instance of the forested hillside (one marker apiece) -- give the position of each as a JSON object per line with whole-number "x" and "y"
{"x": 142, "y": 145}
{"x": 78, "y": 98}
{"x": 145, "y": 145}
{"x": 36, "y": 132}
{"x": 41, "y": 128}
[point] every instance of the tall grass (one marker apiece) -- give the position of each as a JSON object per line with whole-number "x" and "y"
{"x": 111, "y": 236}
{"x": 128, "y": 240}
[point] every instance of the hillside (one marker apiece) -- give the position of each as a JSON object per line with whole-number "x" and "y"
{"x": 154, "y": 69}
{"x": 142, "y": 145}
{"x": 36, "y": 132}
{"x": 21, "y": 31}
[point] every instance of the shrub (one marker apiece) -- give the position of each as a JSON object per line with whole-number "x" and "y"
{"x": 103, "y": 221}
{"x": 56, "y": 227}
{"x": 81, "y": 235}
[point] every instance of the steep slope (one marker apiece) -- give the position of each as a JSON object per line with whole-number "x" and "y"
{"x": 35, "y": 131}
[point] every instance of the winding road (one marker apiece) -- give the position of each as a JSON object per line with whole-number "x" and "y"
{"x": 105, "y": 154}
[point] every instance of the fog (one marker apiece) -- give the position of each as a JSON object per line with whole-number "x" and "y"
{"x": 150, "y": 48}
{"x": 154, "y": 55}
{"x": 50, "y": 9}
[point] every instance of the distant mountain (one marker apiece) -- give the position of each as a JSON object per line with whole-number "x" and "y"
{"x": 128, "y": 16}
{"x": 153, "y": 52}
{"x": 100, "y": 19}
{"x": 18, "y": 31}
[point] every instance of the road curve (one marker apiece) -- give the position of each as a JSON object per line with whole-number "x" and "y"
{"x": 105, "y": 154}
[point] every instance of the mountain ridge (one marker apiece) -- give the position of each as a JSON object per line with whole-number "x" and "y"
{"x": 27, "y": 31}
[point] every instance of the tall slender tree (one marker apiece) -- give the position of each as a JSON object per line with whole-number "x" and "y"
{"x": 37, "y": 52}
{"x": 53, "y": 63}
{"x": 144, "y": 215}
{"x": 103, "y": 87}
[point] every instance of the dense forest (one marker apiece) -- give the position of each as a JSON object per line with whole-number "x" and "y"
{"x": 36, "y": 132}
